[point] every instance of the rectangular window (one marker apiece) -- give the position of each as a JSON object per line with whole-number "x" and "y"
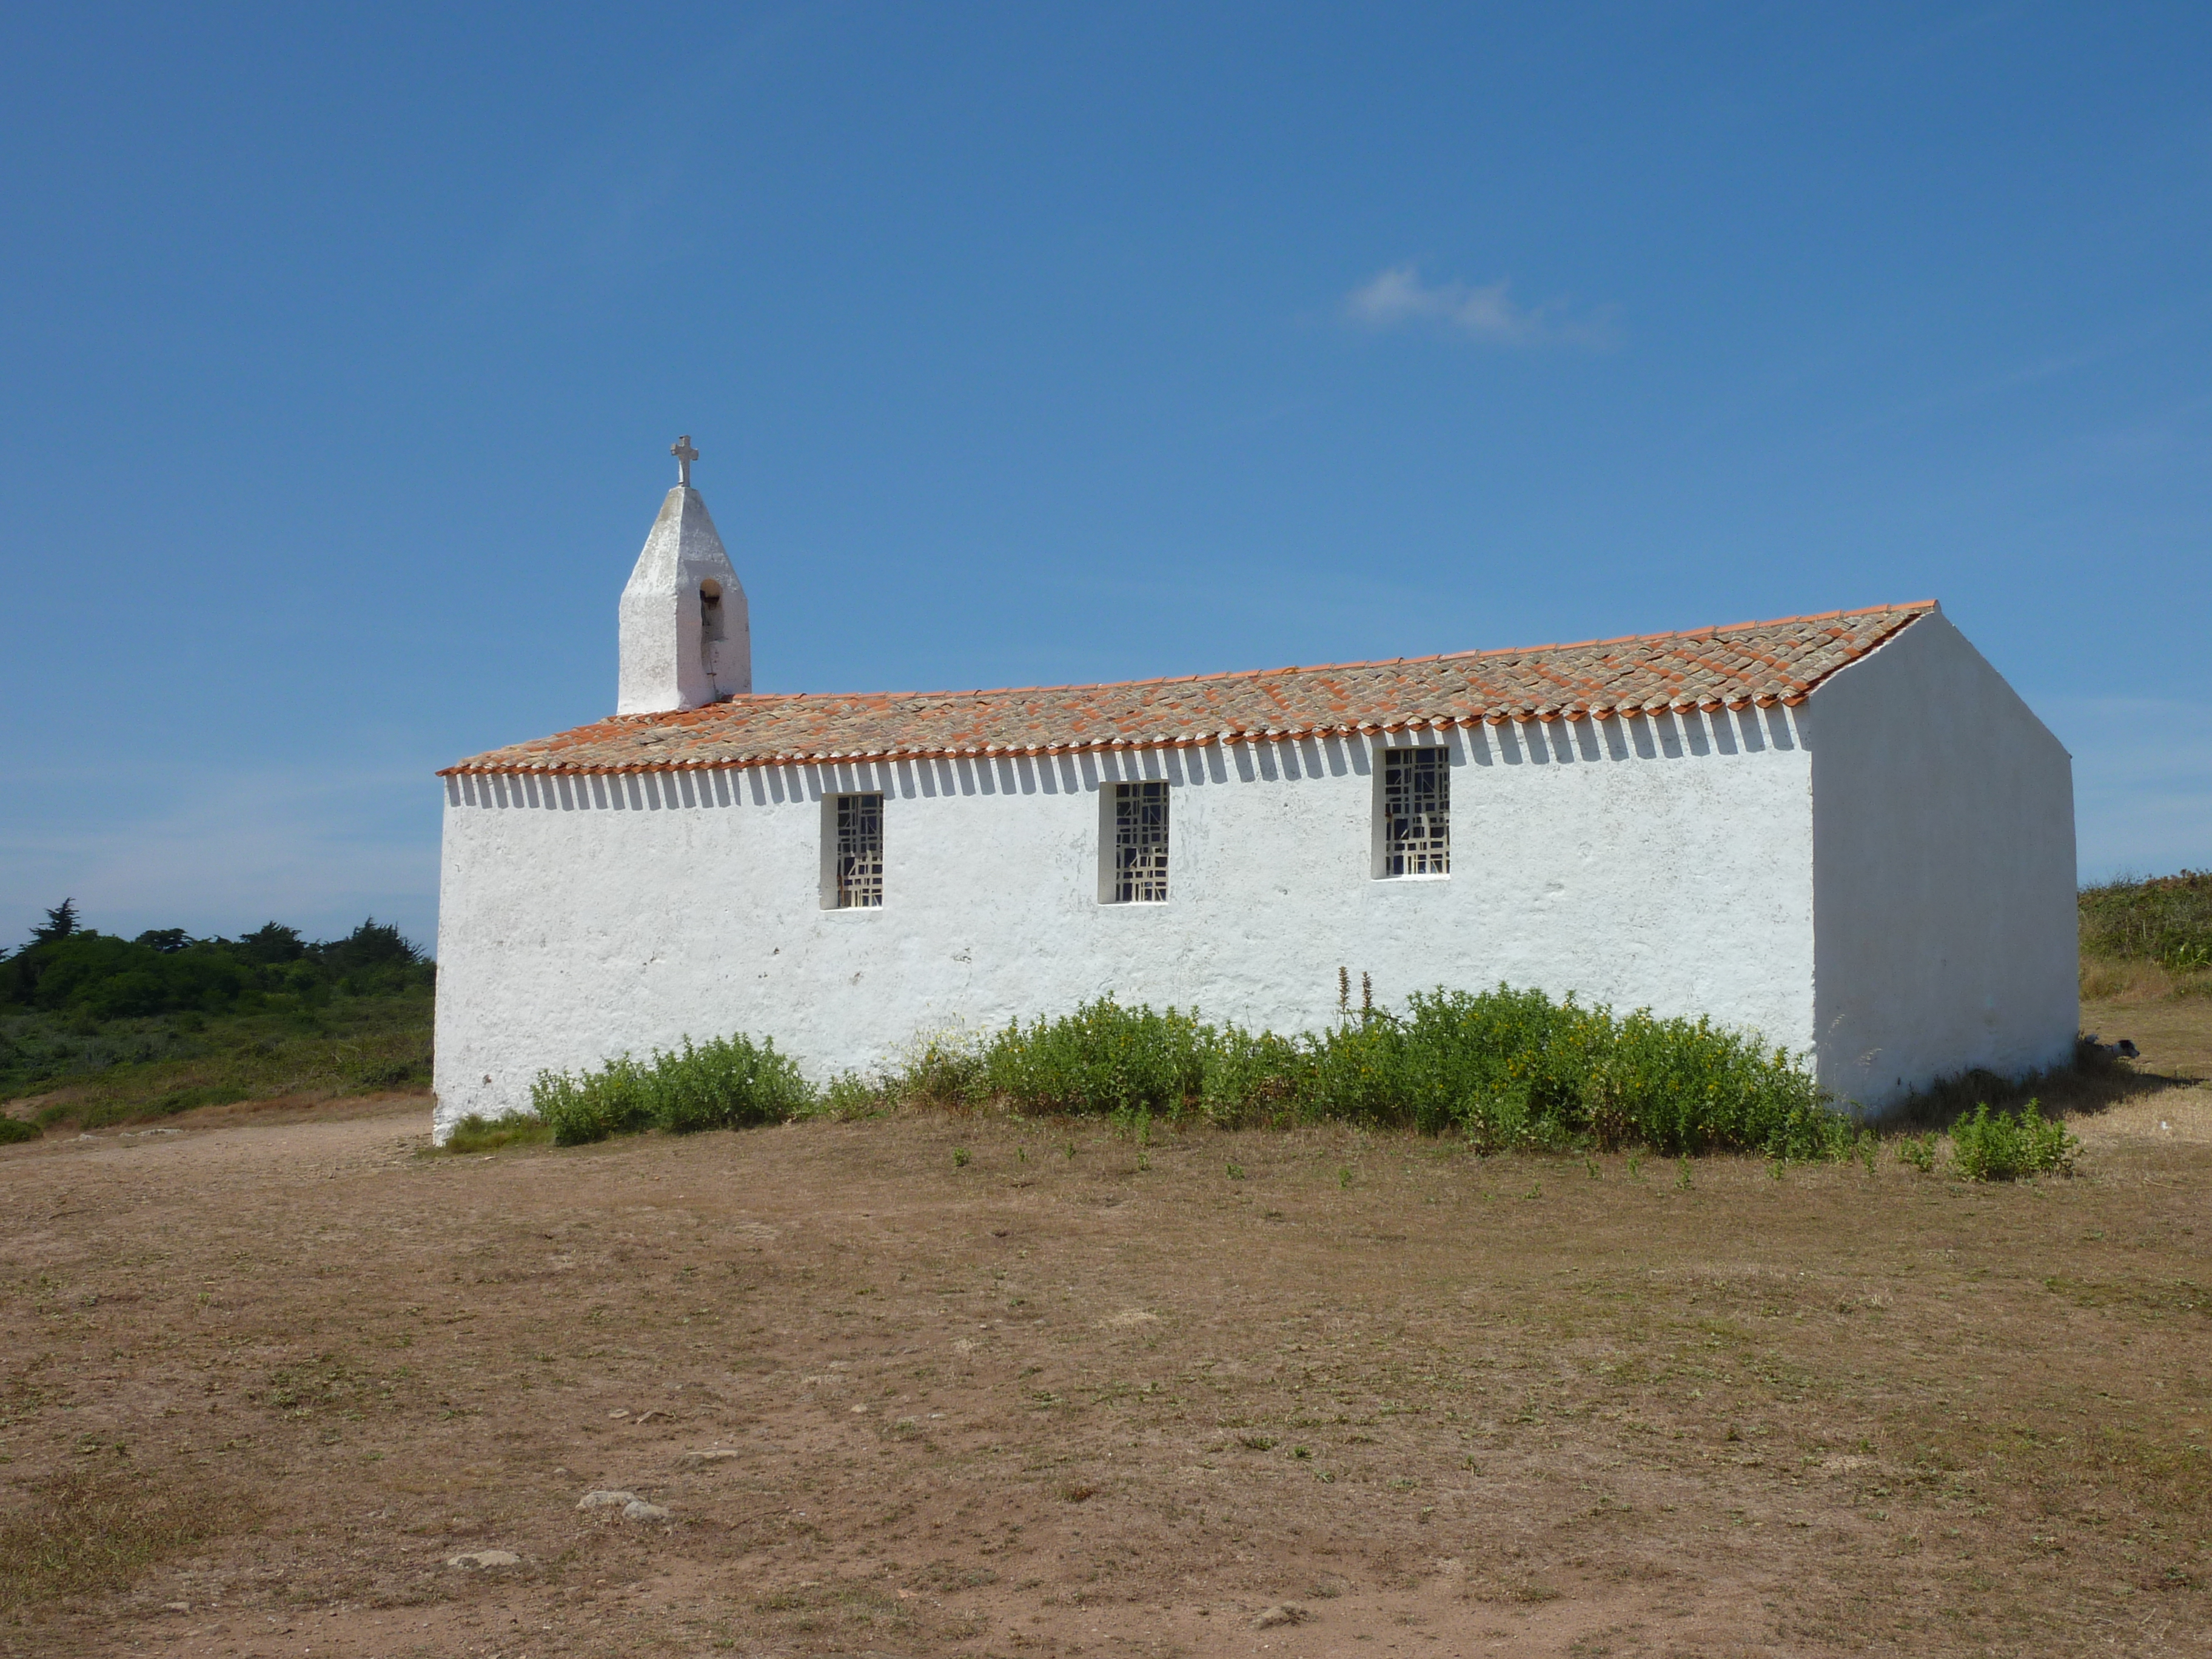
{"x": 1416, "y": 812}
{"x": 860, "y": 866}
{"x": 1140, "y": 871}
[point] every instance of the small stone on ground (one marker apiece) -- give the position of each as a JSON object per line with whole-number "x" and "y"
{"x": 486, "y": 1558}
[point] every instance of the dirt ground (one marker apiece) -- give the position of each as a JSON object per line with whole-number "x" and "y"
{"x": 993, "y": 1388}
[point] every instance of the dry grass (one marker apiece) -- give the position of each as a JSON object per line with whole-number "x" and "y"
{"x": 475, "y": 1134}
{"x": 99, "y": 1523}
{"x": 1520, "y": 1404}
{"x": 2118, "y": 980}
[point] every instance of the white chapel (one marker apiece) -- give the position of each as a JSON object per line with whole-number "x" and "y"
{"x": 1843, "y": 831}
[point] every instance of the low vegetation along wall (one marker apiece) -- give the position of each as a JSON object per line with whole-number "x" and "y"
{"x": 1508, "y": 1070}
{"x": 128, "y": 1029}
{"x": 1505, "y": 1068}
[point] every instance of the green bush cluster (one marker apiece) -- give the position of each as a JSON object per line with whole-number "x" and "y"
{"x": 1505, "y": 1068}
{"x": 2166, "y": 919}
{"x": 1101, "y": 1058}
{"x": 1998, "y": 1147}
{"x": 720, "y": 1084}
{"x": 1995, "y": 1145}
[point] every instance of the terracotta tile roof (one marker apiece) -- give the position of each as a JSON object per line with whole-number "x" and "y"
{"x": 1744, "y": 665}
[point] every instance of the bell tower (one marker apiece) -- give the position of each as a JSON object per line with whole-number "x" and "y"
{"x": 686, "y": 637}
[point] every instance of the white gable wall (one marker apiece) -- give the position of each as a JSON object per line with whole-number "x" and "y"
{"x": 1665, "y": 862}
{"x": 1943, "y": 830}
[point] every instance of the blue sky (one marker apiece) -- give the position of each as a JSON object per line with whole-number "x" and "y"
{"x": 1024, "y": 344}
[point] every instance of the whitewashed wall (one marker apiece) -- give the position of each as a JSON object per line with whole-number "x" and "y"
{"x": 1665, "y": 862}
{"x": 1943, "y": 833}
{"x": 663, "y": 661}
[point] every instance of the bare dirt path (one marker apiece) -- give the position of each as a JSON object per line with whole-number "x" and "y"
{"x": 1076, "y": 1395}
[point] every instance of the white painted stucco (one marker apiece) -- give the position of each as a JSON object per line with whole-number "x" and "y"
{"x": 1944, "y": 872}
{"x": 1882, "y": 877}
{"x": 1665, "y": 862}
{"x": 667, "y": 661}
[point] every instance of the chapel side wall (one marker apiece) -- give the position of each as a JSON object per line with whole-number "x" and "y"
{"x": 1665, "y": 863}
{"x": 1943, "y": 834}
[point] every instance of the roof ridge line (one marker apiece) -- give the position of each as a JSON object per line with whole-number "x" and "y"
{"x": 1706, "y": 631}
{"x": 1734, "y": 665}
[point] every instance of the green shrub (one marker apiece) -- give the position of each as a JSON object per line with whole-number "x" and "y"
{"x": 721, "y": 1084}
{"x": 1686, "y": 1085}
{"x": 1101, "y": 1058}
{"x": 851, "y": 1096}
{"x": 1505, "y": 1068}
{"x": 13, "y": 1129}
{"x": 942, "y": 1067}
{"x": 1368, "y": 1069}
{"x": 590, "y": 1106}
{"x": 1254, "y": 1077}
{"x": 2166, "y": 920}
{"x": 1998, "y": 1147}
{"x": 725, "y": 1084}
{"x": 1513, "y": 1068}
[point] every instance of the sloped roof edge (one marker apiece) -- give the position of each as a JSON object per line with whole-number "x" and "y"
{"x": 1737, "y": 666}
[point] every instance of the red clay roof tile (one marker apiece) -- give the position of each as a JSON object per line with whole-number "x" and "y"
{"x": 1748, "y": 663}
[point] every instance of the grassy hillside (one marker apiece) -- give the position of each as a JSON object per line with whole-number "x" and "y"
{"x": 96, "y": 1029}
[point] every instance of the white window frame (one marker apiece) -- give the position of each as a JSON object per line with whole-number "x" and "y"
{"x": 1430, "y": 851}
{"x": 840, "y": 890}
{"x": 1118, "y": 886}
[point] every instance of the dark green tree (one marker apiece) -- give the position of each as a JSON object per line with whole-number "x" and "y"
{"x": 373, "y": 944}
{"x": 272, "y": 942}
{"x": 61, "y": 922}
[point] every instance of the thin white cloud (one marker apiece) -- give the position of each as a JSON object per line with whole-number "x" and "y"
{"x": 1398, "y": 298}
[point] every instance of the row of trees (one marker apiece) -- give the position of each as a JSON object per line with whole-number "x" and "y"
{"x": 68, "y": 967}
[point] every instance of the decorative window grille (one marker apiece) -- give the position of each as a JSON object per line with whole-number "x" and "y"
{"x": 1416, "y": 812}
{"x": 860, "y": 852}
{"x": 1140, "y": 843}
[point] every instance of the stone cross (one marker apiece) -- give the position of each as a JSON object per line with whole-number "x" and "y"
{"x": 684, "y": 454}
